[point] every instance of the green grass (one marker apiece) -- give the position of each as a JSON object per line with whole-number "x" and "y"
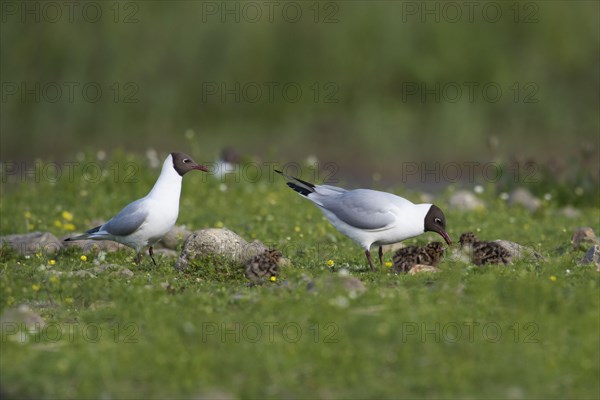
{"x": 529, "y": 330}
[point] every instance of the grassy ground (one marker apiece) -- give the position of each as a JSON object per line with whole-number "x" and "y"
{"x": 529, "y": 330}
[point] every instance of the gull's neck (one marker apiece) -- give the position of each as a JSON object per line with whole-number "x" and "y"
{"x": 168, "y": 184}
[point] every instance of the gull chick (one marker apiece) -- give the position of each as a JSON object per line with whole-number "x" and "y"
{"x": 145, "y": 221}
{"x": 482, "y": 253}
{"x": 370, "y": 217}
{"x": 264, "y": 265}
{"x": 407, "y": 257}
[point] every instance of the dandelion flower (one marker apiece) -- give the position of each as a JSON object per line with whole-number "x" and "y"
{"x": 83, "y": 258}
{"x": 52, "y": 262}
{"x": 53, "y": 279}
{"x": 69, "y": 300}
{"x": 27, "y": 214}
{"x": 388, "y": 264}
{"x": 330, "y": 263}
{"x": 69, "y": 226}
{"x": 553, "y": 278}
{"x": 297, "y": 228}
{"x": 35, "y": 287}
{"x": 58, "y": 223}
{"x": 273, "y": 278}
{"x": 67, "y": 216}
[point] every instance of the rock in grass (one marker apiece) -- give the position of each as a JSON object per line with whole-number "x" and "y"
{"x": 92, "y": 246}
{"x": 176, "y": 235}
{"x": 592, "y": 256}
{"x": 583, "y": 237}
{"x": 523, "y": 197}
{"x": 32, "y": 243}
{"x": 24, "y": 315}
{"x": 420, "y": 268}
{"x": 570, "y": 212}
{"x": 20, "y": 322}
{"x": 519, "y": 252}
{"x": 217, "y": 242}
{"x": 465, "y": 200}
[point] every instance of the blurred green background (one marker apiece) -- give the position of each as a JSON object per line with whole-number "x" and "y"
{"x": 381, "y": 83}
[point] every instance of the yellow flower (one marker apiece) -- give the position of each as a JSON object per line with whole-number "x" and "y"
{"x": 297, "y": 228}
{"x": 54, "y": 279}
{"x": 273, "y": 278}
{"x": 67, "y": 216}
{"x": 219, "y": 224}
{"x": 69, "y": 300}
{"x": 388, "y": 264}
{"x": 52, "y": 262}
{"x": 58, "y": 223}
{"x": 553, "y": 278}
{"x": 27, "y": 214}
{"x": 69, "y": 226}
{"x": 35, "y": 287}
{"x": 83, "y": 258}
{"x": 330, "y": 263}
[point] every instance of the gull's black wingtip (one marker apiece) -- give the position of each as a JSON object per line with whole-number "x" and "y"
{"x": 300, "y": 189}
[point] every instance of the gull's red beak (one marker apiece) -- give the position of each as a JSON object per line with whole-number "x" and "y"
{"x": 200, "y": 168}
{"x": 446, "y": 237}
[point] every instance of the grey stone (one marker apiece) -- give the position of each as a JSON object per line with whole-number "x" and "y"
{"x": 31, "y": 243}
{"x": 91, "y": 246}
{"x": 353, "y": 284}
{"x": 519, "y": 252}
{"x": 23, "y": 315}
{"x": 592, "y": 256}
{"x": 465, "y": 200}
{"x": 523, "y": 197}
{"x": 570, "y": 212}
{"x": 217, "y": 242}
{"x": 176, "y": 235}
{"x": 583, "y": 237}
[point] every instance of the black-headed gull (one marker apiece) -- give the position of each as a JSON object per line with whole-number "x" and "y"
{"x": 145, "y": 221}
{"x": 370, "y": 217}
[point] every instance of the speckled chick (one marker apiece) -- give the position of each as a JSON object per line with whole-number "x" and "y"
{"x": 407, "y": 257}
{"x": 264, "y": 265}
{"x": 482, "y": 253}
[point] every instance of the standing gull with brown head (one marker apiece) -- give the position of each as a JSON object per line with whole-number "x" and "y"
{"x": 370, "y": 217}
{"x": 145, "y": 221}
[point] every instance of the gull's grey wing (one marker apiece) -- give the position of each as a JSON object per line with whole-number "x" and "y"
{"x": 361, "y": 208}
{"x": 127, "y": 221}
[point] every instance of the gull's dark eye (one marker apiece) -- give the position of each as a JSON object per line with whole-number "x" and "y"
{"x": 437, "y": 221}
{"x": 185, "y": 160}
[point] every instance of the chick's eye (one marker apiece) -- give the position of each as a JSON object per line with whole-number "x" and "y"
{"x": 437, "y": 221}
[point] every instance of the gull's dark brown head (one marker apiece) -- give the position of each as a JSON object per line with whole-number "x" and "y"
{"x": 435, "y": 221}
{"x": 184, "y": 163}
